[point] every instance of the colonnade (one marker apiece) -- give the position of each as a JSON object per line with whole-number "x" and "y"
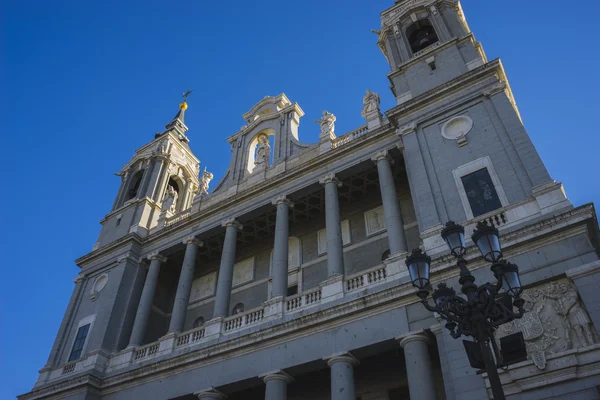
{"x": 335, "y": 260}
{"x": 421, "y": 381}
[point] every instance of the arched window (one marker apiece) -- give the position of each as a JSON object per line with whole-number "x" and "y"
{"x": 134, "y": 186}
{"x": 198, "y": 322}
{"x": 238, "y": 309}
{"x": 385, "y": 255}
{"x": 421, "y": 35}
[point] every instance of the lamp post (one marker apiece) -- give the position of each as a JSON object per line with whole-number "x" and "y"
{"x": 482, "y": 308}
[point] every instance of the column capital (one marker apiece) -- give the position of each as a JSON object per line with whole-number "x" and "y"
{"x": 330, "y": 178}
{"x": 193, "y": 239}
{"x": 406, "y": 129}
{"x": 210, "y": 393}
{"x": 346, "y": 357}
{"x": 157, "y": 256}
{"x": 123, "y": 258}
{"x": 232, "y": 222}
{"x": 419, "y": 336}
{"x": 277, "y": 375}
{"x": 79, "y": 278}
{"x": 380, "y": 156}
{"x": 282, "y": 200}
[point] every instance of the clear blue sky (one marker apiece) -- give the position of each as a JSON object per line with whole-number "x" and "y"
{"x": 84, "y": 84}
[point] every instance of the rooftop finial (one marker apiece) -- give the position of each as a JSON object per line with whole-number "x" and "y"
{"x": 185, "y": 96}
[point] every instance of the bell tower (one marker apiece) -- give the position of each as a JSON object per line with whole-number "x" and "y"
{"x": 427, "y": 43}
{"x": 159, "y": 181}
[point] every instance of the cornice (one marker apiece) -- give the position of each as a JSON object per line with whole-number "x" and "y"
{"x": 129, "y": 240}
{"x": 436, "y": 94}
{"x": 427, "y": 53}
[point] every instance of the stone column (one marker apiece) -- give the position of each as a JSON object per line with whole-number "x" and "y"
{"x": 145, "y": 306}
{"x": 276, "y": 382}
{"x": 280, "y": 247}
{"x": 210, "y": 394}
{"x": 146, "y": 178}
{"x": 342, "y": 376}
{"x": 393, "y": 215}
{"x": 335, "y": 254}
{"x": 226, "y": 270}
{"x": 182, "y": 297}
{"x": 421, "y": 383}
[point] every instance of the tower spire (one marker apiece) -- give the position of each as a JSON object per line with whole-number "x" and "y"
{"x": 178, "y": 123}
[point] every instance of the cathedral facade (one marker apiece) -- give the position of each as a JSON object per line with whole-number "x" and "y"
{"x": 287, "y": 277}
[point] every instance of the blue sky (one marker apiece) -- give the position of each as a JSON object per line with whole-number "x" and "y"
{"x": 84, "y": 84}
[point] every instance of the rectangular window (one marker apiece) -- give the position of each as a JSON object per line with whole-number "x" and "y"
{"x": 481, "y": 192}
{"x": 292, "y": 290}
{"x": 82, "y": 333}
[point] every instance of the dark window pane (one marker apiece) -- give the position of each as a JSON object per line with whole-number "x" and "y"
{"x": 292, "y": 290}
{"x": 82, "y": 333}
{"x": 481, "y": 192}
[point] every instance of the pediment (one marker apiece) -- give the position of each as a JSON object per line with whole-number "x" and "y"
{"x": 268, "y": 105}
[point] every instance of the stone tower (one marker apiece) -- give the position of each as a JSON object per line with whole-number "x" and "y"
{"x": 158, "y": 182}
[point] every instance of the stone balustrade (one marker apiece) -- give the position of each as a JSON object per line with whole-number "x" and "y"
{"x": 350, "y": 136}
{"x": 236, "y": 323}
{"x": 178, "y": 217}
{"x": 365, "y": 278}
{"x": 146, "y": 351}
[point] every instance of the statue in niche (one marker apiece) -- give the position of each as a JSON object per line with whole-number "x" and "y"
{"x": 204, "y": 181}
{"x": 263, "y": 152}
{"x": 370, "y": 103}
{"x": 555, "y": 321}
{"x": 170, "y": 200}
{"x": 327, "y": 123}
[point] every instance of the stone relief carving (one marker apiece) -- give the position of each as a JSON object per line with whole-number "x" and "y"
{"x": 555, "y": 321}
{"x": 204, "y": 181}
{"x": 370, "y": 103}
{"x": 170, "y": 200}
{"x": 375, "y": 221}
{"x": 327, "y": 123}
{"x": 263, "y": 152}
{"x": 243, "y": 271}
{"x": 203, "y": 286}
{"x": 322, "y": 237}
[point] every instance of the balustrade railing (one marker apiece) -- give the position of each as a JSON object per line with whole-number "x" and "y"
{"x": 303, "y": 299}
{"x": 350, "y": 136}
{"x": 67, "y": 369}
{"x": 189, "y": 337}
{"x": 178, "y": 217}
{"x": 367, "y": 277}
{"x": 146, "y": 351}
{"x": 248, "y": 318}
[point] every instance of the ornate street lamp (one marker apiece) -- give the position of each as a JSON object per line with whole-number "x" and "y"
{"x": 482, "y": 308}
